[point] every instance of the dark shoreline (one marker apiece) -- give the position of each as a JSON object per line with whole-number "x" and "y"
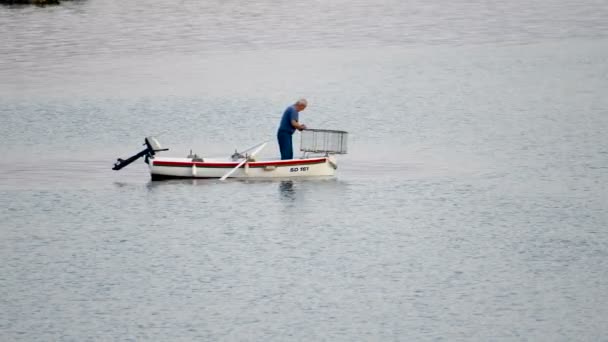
{"x": 40, "y": 3}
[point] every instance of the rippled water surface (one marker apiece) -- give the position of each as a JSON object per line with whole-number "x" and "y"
{"x": 473, "y": 203}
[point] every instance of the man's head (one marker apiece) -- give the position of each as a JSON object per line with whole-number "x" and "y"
{"x": 301, "y": 105}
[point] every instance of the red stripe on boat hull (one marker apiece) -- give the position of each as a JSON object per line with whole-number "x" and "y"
{"x": 231, "y": 165}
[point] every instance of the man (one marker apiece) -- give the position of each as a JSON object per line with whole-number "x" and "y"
{"x": 289, "y": 124}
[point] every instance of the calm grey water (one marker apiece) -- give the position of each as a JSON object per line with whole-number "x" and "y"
{"x": 473, "y": 204}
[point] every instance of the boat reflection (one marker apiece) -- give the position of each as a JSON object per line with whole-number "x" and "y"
{"x": 287, "y": 190}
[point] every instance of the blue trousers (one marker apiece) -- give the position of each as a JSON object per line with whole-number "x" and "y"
{"x": 285, "y": 144}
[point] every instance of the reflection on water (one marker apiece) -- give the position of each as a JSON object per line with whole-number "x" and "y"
{"x": 287, "y": 190}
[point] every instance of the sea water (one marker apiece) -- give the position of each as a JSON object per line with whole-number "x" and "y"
{"x": 472, "y": 205}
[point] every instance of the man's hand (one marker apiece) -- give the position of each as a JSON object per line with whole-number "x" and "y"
{"x": 298, "y": 125}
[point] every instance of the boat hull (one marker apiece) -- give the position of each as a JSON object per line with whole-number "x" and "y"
{"x": 171, "y": 168}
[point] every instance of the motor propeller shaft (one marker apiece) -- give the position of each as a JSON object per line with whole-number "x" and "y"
{"x": 152, "y": 146}
{"x": 120, "y": 163}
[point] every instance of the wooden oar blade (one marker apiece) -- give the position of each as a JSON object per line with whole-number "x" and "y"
{"x": 229, "y": 173}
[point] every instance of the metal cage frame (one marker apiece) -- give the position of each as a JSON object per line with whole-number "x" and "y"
{"x": 328, "y": 141}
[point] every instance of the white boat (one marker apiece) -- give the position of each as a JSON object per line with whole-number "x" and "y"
{"x": 319, "y": 149}
{"x": 166, "y": 168}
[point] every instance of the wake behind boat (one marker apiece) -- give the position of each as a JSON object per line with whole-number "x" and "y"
{"x": 319, "y": 148}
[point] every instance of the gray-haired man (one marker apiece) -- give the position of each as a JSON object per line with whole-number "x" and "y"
{"x": 289, "y": 124}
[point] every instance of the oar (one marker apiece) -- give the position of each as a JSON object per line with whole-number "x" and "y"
{"x": 243, "y": 162}
{"x": 252, "y": 147}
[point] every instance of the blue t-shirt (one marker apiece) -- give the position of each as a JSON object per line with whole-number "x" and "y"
{"x": 290, "y": 114}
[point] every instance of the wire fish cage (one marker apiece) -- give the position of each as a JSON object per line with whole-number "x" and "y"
{"x": 324, "y": 141}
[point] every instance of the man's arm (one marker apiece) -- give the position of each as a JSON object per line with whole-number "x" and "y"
{"x": 298, "y": 125}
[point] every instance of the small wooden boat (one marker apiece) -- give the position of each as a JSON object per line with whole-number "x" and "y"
{"x": 319, "y": 148}
{"x": 165, "y": 168}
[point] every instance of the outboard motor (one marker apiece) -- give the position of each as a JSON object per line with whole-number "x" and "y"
{"x": 152, "y": 146}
